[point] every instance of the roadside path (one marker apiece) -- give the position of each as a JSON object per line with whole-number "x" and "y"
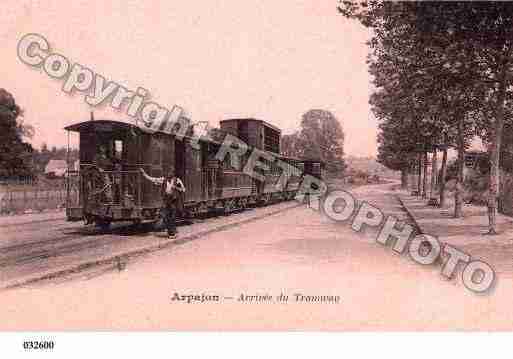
{"x": 467, "y": 233}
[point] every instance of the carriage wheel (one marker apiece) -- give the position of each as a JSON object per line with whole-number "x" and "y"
{"x": 228, "y": 206}
{"x": 243, "y": 203}
{"x": 103, "y": 224}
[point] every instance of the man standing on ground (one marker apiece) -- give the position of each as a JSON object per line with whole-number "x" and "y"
{"x": 170, "y": 186}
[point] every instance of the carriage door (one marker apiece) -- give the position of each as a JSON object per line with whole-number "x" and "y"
{"x": 180, "y": 159}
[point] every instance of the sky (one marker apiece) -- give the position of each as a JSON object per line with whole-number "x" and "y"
{"x": 272, "y": 60}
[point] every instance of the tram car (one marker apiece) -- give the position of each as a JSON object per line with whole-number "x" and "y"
{"x": 109, "y": 185}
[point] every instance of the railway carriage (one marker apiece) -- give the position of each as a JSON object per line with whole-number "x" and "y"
{"x": 109, "y": 186}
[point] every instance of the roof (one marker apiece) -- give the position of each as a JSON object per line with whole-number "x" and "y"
{"x": 282, "y": 156}
{"x": 309, "y": 160}
{"x": 85, "y": 125}
{"x": 56, "y": 165}
{"x": 253, "y": 119}
{"x": 81, "y": 126}
{"x": 476, "y": 152}
{"x": 90, "y": 125}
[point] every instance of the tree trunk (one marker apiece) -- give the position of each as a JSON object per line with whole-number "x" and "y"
{"x": 412, "y": 177}
{"x": 494, "y": 152}
{"x": 494, "y": 181}
{"x": 419, "y": 172}
{"x": 424, "y": 180}
{"x": 404, "y": 178}
{"x": 434, "y": 173}
{"x": 458, "y": 194}
{"x": 443, "y": 173}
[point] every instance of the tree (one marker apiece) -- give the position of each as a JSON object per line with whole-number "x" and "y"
{"x": 395, "y": 150}
{"x": 481, "y": 56}
{"x": 15, "y": 159}
{"x": 322, "y": 137}
{"x": 458, "y": 52}
{"x": 290, "y": 145}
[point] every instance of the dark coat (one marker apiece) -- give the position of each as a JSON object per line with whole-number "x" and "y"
{"x": 175, "y": 199}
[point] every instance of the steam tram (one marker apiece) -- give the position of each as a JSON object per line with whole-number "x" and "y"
{"x": 108, "y": 186}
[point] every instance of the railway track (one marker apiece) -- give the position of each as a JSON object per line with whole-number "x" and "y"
{"x": 68, "y": 233}
{"x": 10, "y": 225}
{"x": 74, "y": 239}
{"x": 64, "y": 247}
{"x": 86, "y": 244}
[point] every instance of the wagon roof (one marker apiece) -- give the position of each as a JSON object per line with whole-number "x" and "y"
{"x": 265, "y": 123}
{"x": 281, "y": 156}
{"x": 316, "y": 160}
{"x": 86, "y": 125}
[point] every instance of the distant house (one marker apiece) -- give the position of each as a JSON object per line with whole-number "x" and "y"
{"x": 506, "y": 182}
{"x": 476, "y": 163}
{"x": 56, "y": 168}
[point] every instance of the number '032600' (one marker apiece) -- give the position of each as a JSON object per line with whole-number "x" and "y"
{"x": 35, "y": 345}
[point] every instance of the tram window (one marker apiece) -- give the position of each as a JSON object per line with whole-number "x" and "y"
{"x": 118, "y": 149}
{"x": 227, "y": 162}
{"x": 157, "y": 148}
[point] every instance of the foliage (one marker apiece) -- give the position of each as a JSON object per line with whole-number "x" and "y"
{"x": 322, "y": 137}
{"x": 290, "y": 145}
{"x": 442, "y": 72}
{"x": 15, "y": 153}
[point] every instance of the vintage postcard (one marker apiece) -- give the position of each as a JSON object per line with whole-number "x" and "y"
{"x": 255, "y": 166}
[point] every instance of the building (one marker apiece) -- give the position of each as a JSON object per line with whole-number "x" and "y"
{"x": 506, "y": 183}
{"x": 56, "y": 168}
{"x": 476, "y": 163}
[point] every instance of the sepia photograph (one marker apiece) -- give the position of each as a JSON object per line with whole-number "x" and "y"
{"x": 255, "y": 166}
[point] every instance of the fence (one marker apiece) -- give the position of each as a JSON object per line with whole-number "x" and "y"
{"x": 26, "y": 198}
{"x": 23, "y": 181}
